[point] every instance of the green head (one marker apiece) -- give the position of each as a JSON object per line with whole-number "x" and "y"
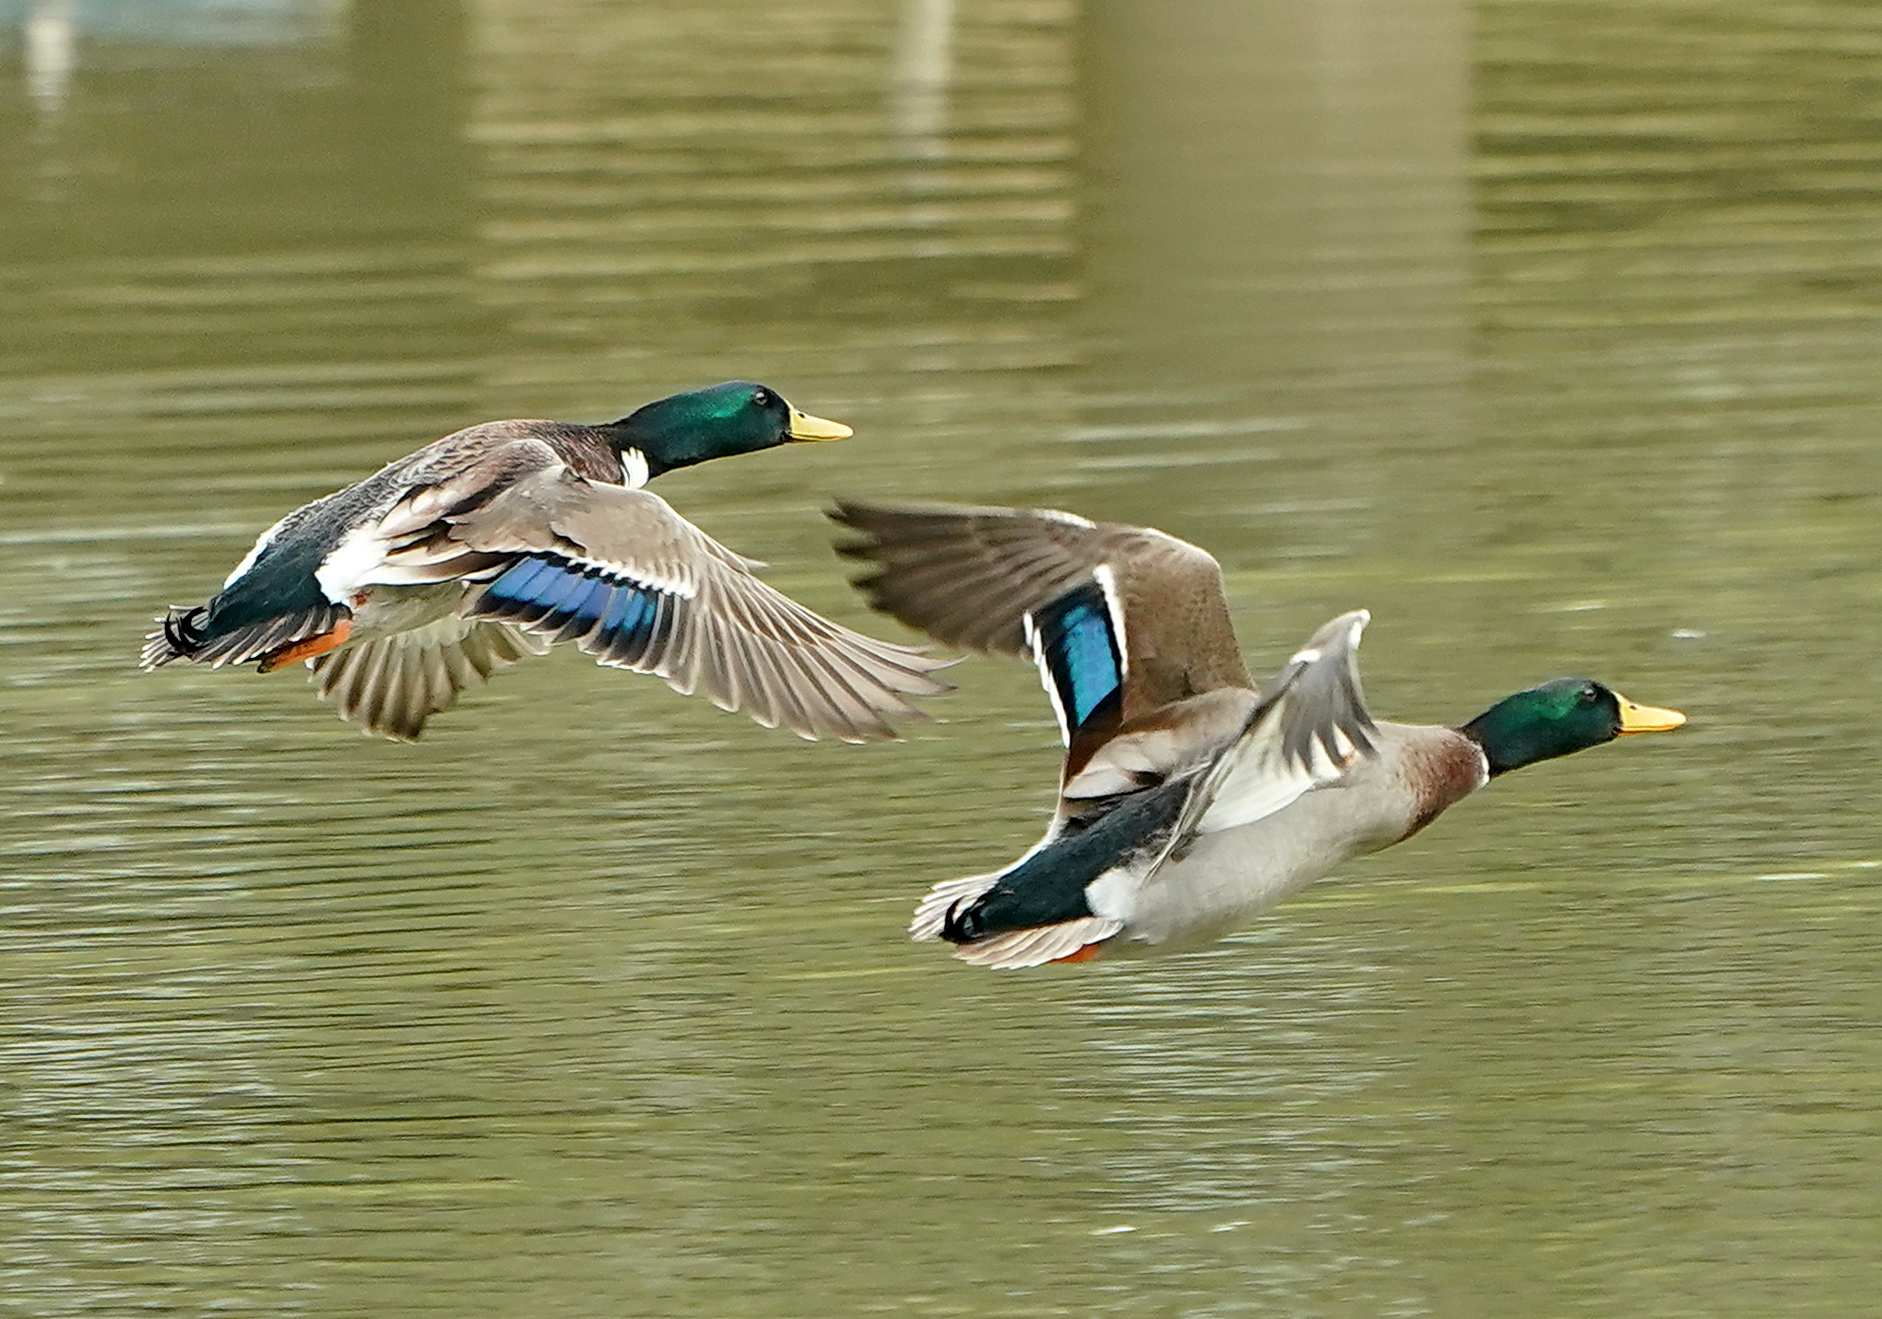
{"x": 1569, "y": 714}
{"x": 716, "y": 422}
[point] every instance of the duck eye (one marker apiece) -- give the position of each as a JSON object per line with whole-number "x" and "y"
{"x": 760, "y": 397}
{"x": 1589, "y": 695}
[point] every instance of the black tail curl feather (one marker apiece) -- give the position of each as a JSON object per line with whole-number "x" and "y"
{"x": 183, "y": 630}
{"x": 179, "y": 635}
{"x": 1050, "y": 884}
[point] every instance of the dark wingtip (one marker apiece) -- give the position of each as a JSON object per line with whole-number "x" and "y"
{"x": 862, "y": 547}
{"x": 845, "y": 513}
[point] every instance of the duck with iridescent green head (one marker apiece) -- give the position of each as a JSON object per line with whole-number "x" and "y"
{"x": 496, "y": 541}
{"x": 1190, "y": 800}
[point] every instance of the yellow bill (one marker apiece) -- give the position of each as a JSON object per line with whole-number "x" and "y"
{"x": 806, "y": 427}
{"x": 1647, "y": 718}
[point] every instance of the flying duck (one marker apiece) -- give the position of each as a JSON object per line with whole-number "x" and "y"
{"x": 494, "y": 542}
{"x": 1190, "y": 801}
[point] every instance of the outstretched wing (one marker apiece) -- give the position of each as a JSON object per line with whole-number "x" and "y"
{"x": 634, "y": 584}
{"x": 1311, "y": 727}
{"x": 392, "y": 684}
{"x": 965, "y": 575}
{"x": 971, "y": 577}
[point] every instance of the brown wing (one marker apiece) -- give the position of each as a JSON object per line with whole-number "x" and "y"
{"x": 634, "y": 584}
{"x": 969, "y": 577}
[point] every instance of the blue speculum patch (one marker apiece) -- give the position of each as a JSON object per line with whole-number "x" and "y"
{"x": 550, "y": 591}
{"x": 1080, "y": 651}
{"x": 628, "y": 612}
{"x": 518, "y": 581}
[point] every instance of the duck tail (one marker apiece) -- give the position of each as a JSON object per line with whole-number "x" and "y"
{"x": 939, "y": 917}
{"x": 944, "y": 901}
{"x": 195, "y": 633}
{"x": 1082, "y": 939}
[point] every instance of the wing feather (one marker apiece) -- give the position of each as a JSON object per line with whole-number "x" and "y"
{"x": 392, "y": 684}
{"x": 969, "y": 576}
{"x": 582, "y": 555}
{"x": 1310, "y": 728}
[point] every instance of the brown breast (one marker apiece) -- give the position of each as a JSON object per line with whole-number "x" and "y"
{"x": 1440, "y": 768}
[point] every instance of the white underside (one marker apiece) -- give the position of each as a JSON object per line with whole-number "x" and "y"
{"x": 1228, "y": 878}
{"x": 386, "y": 610}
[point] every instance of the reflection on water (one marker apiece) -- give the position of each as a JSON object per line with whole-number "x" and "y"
{"x": 47, "y": 50}
{"x": 924, "y": 65}
{"x": 1549, "y": 336}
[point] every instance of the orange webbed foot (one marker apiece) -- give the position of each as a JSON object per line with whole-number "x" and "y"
{"x": 310, "y": 647}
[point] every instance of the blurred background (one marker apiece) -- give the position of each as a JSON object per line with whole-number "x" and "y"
{"x": 1549, "y": 330}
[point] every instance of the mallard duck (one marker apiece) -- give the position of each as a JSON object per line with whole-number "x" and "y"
{"x": 1189, "y": 801}
{"x": 496, "y": 541}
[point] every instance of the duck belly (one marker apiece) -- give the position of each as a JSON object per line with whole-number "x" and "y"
{"x": 1225, "y": 880}
{"x": 383, "y": 611}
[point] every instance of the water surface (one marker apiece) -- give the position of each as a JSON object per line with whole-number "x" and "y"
{"x": 1547, "y": 332}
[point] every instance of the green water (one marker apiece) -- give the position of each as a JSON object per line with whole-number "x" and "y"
{"x": 1550, "y": 332}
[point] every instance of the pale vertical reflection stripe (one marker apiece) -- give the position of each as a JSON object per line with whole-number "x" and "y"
{"x": 924, "y": 64}
{"x": 703, "y": 171}
{"x": 49, "y": 48}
